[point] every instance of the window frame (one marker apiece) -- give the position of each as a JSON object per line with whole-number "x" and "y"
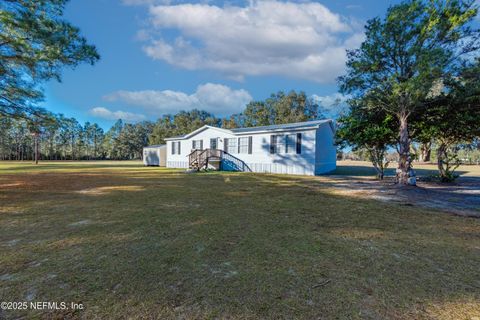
{"x": 216, "y": 143}
{"x": 232, "y": 146}
{"x": 291, "y": 148}
{"x": 176, "y": 147}
{"x": 243, "y": 145}
{"x": 290, "y": 143}
{"x": 280, "y": 144}
{"x": 197, "y": 144}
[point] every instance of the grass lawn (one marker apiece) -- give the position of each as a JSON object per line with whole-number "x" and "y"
{"x": 364, "y": 168}
{"x": 129, "y": 241}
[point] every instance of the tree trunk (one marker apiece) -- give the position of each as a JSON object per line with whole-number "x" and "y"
{"x": 404, "y": 150}
{"x": 73, "y": 151}
{"x": 35, "y": 151}
{"x": 441, "y": 156}
{"x": 425, "y": 151}
{"x": 36, "y": 147}
{"x": 95, "y": 147}
{"x": 376, "y": 157}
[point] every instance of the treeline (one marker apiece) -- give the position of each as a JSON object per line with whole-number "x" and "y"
{"x": 57, "y": 137}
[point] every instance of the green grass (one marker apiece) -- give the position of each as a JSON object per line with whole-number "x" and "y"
{"x": 134, "y": 242}
{"x": 364, "y": 168}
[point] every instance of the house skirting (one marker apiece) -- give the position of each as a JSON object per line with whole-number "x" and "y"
{"x": 177, "y": 164}
{"x": 281, "y": 168}
{"x": 278, "y": 168}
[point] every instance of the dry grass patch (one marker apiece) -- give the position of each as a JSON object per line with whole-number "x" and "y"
{"x": 153, "y": 243}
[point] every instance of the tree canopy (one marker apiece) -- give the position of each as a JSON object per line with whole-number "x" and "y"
{"x": 35, "y": 44}
{"x": 280, "y": 108}
{"x": 369, "y": 128}
{"x": 404, "y": 56}
{"x": 452, "y": 118}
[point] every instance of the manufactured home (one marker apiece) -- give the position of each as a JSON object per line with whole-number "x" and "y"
{"x": 305, "y": 148}
{"x": 155, "y": 155}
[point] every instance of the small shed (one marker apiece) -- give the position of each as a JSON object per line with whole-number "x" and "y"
{"x": 155, "y": 155}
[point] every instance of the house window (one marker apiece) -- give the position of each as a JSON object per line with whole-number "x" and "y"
{"x": 243, "y": 144}
{"x": 176, "y": 147}
{"x": 232, "y": 145}
{"x": 279, "y": 144}
{"x": 290, "y": 143}
{"x": 213, "y": 143}
{"x": 197, "y": 144}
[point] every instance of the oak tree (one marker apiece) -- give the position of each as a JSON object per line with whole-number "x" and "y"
{"x": 404, "y": 56}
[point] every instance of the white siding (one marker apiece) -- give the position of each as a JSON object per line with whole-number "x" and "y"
{"x": 326, "y": 152}
{"x": 261, "y": 160}
{"x": 181, "y": 160}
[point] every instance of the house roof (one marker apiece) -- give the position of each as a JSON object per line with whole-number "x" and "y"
{"x": 286, "y": 126}
{"x": 272, "y": 128}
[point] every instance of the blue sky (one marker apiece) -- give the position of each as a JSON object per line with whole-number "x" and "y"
{"x": 162, "y": 56}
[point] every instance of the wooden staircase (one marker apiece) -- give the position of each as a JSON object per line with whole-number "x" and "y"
{"x": 199, "y": 159}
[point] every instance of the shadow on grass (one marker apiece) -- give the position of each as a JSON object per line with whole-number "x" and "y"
{"x": 357, "y": 171}
{"x": 184, "y": 247}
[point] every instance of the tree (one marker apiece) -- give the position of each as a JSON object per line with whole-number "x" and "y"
{"x": 35, "y": 43}
{"x": 36, "y": 126}
{"x": 20, "y": 140}
{"x": 188, "y": 121}
{"x": 426, "y": 151}
{"x": 369, "y": 128}
{"x": 280, "y": 108}
{"x": 132, "y": 139}
{"x": 97, "y": 139}
{"x": 63, "y": 137}
{"x": 6, "y": 141}
{"x": 71, "y": 130}
{"x": 404, "y": 55}
{"x": 452, "y": 118}
{"x": 258, "y": 113}
{"x": 231, "y": 122}
{"x": 162, "y": 129}
{"x": 48, "y": 137}
{"x": 110, "y": 142}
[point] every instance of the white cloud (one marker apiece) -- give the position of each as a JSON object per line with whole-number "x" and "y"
{"x": 215, "y": 98}
{"x": 104, "y": 113}
{"x": 299, "y": 40}
{"x": 333, "y": 104}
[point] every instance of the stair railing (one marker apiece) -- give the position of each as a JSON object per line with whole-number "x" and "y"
{"x": 199, "y": 159}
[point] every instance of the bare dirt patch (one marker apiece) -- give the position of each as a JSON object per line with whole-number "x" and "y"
{"x": 460, "y": 198}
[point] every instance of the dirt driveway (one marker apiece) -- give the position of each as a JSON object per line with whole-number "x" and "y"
{"x": 460, "y": 198}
